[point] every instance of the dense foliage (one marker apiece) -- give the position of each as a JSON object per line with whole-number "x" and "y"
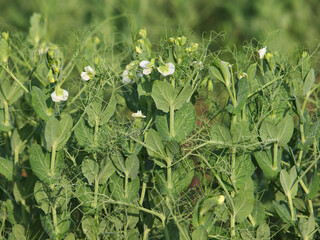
{"x": 167, "y": 140}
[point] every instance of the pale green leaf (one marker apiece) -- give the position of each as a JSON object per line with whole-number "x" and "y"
{"x": 39, "y": 103}
{"x": 154, "y": 144}
{"x": 109, "y": 111}
{"x": 220, "y": 134}
{"x": 285, "y": 130}
{"x": 106, "y": 170}
{"x": 40, "y": 163}
{"x": 90, "y": 169}
{"x": 163, "y": 95}
{"x": 183, "y": 97}
{"x": 184, "y": 122}
{"x": 19, "y": 232}
{"x": 51, "y": 132}
{"x": 308, "y": 82}
{"x": 42, "y": 197}
{"x": 83, "y": 133}
{"x": 263, "y": 232}
{"x": 132, "y": 166}
{"x": 200, "y": 233}
{"x": 6, "y": 168}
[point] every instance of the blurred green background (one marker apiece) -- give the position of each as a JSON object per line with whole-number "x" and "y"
{"x": 286, "y": 23}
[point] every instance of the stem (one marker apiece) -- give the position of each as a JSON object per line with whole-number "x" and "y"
{"x": 275, "y": 156}
{"x": 143, "y": 192}
{"x": 14, "y": 78}
{"x": 253, "y": 222}
{"x": 169, "y": 175}
{"x": 172, "y": 134}
{"x": 96, "y": 192}
{"x": 53, "y": 158}
{"x": 6, "y": 113}
{"x": 293, "y": 216}
{"x": 16, "y": 162}
{"x": 126, "y": 186}
{"x": 55, "y": 221}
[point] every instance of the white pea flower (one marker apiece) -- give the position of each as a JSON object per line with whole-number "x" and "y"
{"x": 146, "y": 66}
{"x": 198, "y": 65}
{"x": 262, "y": 52}
{"x": 126, "y": 77}
{"x": 167, "y": 69}
{"x": 138, "y": 114}
{"x": 59, "y": 95}
{"x": 88, "y": 73}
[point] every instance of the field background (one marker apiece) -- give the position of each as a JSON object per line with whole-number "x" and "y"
{"x": 287, "y": 23}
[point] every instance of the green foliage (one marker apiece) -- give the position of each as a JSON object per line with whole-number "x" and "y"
{"x": 109, "y": 138}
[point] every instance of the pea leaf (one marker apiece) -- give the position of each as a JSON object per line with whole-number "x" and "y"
{"x": 308, "y": 82}
{"x": 19, "y": 232}
{"x": 109, "y": 111}
{"x": 132, "y": 166}
{"x": 183, "y": 96}
{"x": 106, "y": 170}
{"x": 163, "y": 95}
{"x": 200, "y": 233}
{"x": 268, "y": 131}
{"x": 220, "y": 134}
{"x": 264, "y": 159}
{"x": 90, "y": 169}
{"x": 154, "y": 144}
{"x": 42, "y": 197}
{"x": 244, "y": 202}
{"x": 263, "y": 232}
{"x": 40, "y": 163}
{"x": 314, "y": 185}
{"x": 283, "y": 211}
{"x": 6, "y": 168}
{"x": 285, "y": 130}
{"x": 307, "y": 227}
{"x": 184, "y": 122}
{"x": 242, "y": 171}
{"x": 83, "y": 133}
{"x": 39, "y": 103}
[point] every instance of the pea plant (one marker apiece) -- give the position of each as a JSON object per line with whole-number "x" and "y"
{"x": 169, "y": 141}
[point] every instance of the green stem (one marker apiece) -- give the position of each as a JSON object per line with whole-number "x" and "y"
{"x": 126, "y": 186}
{"x": 169, "y": 175}
{"x": 14, "y": 78}
{"x": 253, "y": 222}
{"x": 172, "y": 134}
{"x": 53, "y": 158}
{"x": 55, "y": 221}
{"x": 275, "y": 156}
{"x": 6, "y": 113}
{"x": 96, "y": 192}
{"x": 16, "y": 162}
{"x": 143, "y": 192}
{"x": 293, "y": 216}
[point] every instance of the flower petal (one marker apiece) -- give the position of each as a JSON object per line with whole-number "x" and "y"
{"x": 147, "y": 71}
{"x": 85, "y": 76}
{"x": 138, "y": 114}
{"x": 144, "y": 64}
{"x": 89, "y": 69}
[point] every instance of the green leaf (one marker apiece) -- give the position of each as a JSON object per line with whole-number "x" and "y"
{"x": 285, "y": 130}
{"x": 244, "y": 202}
{"x": 66, "y": 124}
{"x": 182, "y": 176}
{"x": 39, "y": 103}
{"x": 283, "y": 211}
{"x": 109, "y": 111}
{"x": 162, "y": 125}
{"x": 215, "y": 73}
{"x": 106, "y": 170}
{"x": 263, "y": 232}
{"x": 40, "y": 163}
{"x": 83, "y": 133}
{"x": 4, "y": 126}
{"x": 268, "y": 131}
{"x": 307, "y": 227}
{"x": 57, "y": 132}
{"x": 200, "y": 233}
{"x": 118, "y": 161}
{"x": 118, "y": 191}
{"x": 308, "y": 82}
{"x": 132, "y": 165}
{"x": 242, "y": 95}
{"x": 70, "y": 236}
{"x": 184, "y": 122}
{"x": 52, "y": 132}
{"x": 163, "y": 95}
{"x": 6, "y": 168}
{"x": 19, "y": 232}
{"x": 314, "y": 185}
{"x": 220, "y": 134}
{"x": 42, "y": 197}
{"x": 240, "y": 132}
{"x": 258, "y": 213}
{"x": 94, "y": 111}
{"x": 154, "y": 144}
{"x": 242, "y": 171}
{"x": 264, "y": 159}
{"x": 89, "y": 227}
{"x": 251, "y": 72}
{"x": 285, "y": 181}
{"x": 90, "y": 169}
{"x": 183, "y": 97}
